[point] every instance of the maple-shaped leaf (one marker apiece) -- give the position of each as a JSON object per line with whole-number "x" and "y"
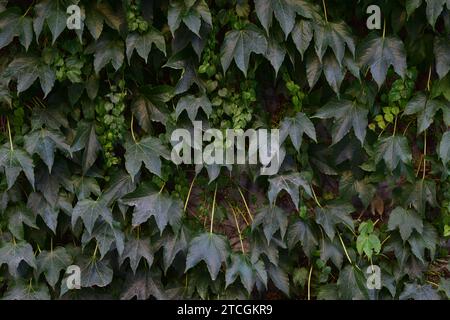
{"x": 331, "y": 250}
{"x": 135, "y": 251}
{"x": 98, "y": 13}
{"x": 330, "y": 216}
{"x": 27, "y": 69}
{"x": 393, "y": 150}
{"x": 380, "y": 53}
{"x": 105, "y": 234}
{"x": 107, "y": 50}
{"x": 21, "y": 290}
{"x": 241, "y": 266}
{"x": 426, "y": 109}
{"x": 14, "y": 24}
{"x": 89, "y": 211}
{"x": 272, "y": 219}
{"x": 54, "y": 13}
{"x": 240, "y": 44}
{"x": 192, "y": 104}
{"x": 148, "y": 203}
{"x": 279, "y": 278}
{"x": 405, "y": 221}
{"x": 52, "y": 117}
{"x": 173, "y": 245}
{"x": 444, "y": 148}
{"x": 302, "y": 34}
{"x": 347, "y": 115}
{"x": 285, "y": 12}
{"x": 191, "y": 13}
{"x": 95, "y": 273}
{"x": 151, "y": 105}
{"x": 86, "y": 139}
{"x": 424, "y": 192}
{"x": 38, "y": 204}
{"x": 276, "y": 51}
{"x": 84, "y": 186}
{"x": 302, "y": 231}
{"x": 18, "y": 216}
{"x": 51, "y": 263}
{"x": 444, "y": 286}
{"x": 14, "y": 161}
{"x": 434, "y": 10}
{"x": 291, "y": 183}
{"x": 334, "y": 73}
{"x": 188, "y": 66}
{"x": 442, "y": 55}
{"x": 119, "y": 185}
{"x": 427, "y": 239}
{"x": 211, "y": 248}
{"x": 334, "y": 35}
{"x": 352, "y": 284}
{"x": 142, "y": 43}
{"x": 145, "y": 284}
{"x": 415, "y": 291}
{"x": 147, "y": 151}
{"x": 44, "y": 142}
{"x": 295, "y": 128}
{"x": 14, "y": 253}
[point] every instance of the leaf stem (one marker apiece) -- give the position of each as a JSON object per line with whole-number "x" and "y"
{"x": 162, "y": 188}
{"x": 245, "y": 203}
{"x": 309, "y": 282}
{"x": 315, "y": 197}
{"x": 429, "y": 80}
{"x": 384, "y": 28}
{"x": 395, "y": 126}
{"x": 238, "y": 229}
{"x": 213, "y": 209}
{"x": 424, "y": 156}
{"x": 189, "y": 193}
{"x": 132, "y": 130}
{"x": 345, "y": 249}
{"x": 95, "y": 251}
{"x": 325, "y": 10}
{"x": 9, "y": 134}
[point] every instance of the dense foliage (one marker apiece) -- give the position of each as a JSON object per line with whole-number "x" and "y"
{"x": 86, "y": 177}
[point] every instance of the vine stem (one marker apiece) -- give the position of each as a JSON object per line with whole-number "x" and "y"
{"x": 424, "y": 156}
{"x": 325, "y": 10}
{"x": 9, "y": 134}
{"x": 345, "y": 249}
{"x": 132, "y": 130}
{"x": 384, "y": 28}
{"x": 395, "y": 126}
{"x": 429, "y": 79}
{"x": 315, "y": 197}
{"x": 245, "y": 203}
{"x": 189, "y": 193}
{"x": 238, "y": 229}
{"x": 213, "y": 209}
{"x": 162, "y": 188}
{"x": 95, "y": 251}
{"x": 309, "y": 282}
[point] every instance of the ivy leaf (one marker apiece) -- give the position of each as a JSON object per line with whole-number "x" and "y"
{"x": 416, "y": 291}
{"x": 151, "y": 105}
{"x": 51, "y": 263}
{"x": 19, "y": 216}
{"x": 352, "y": 284}
{"x": 23, "y": 291}
{"x": 37, "y": 203}
{"x": 192, "y": 104}
{"x": 334, "y": 35}
{"x": 27, "y": 69}
{"x": 444, "y": 286}
{"x": 105, "y": 234}
{"x": 444, "y": 148}
{"x": 86, "y": 139}
{"x": 330, "y": 216}
{"x": 14, "y": 253}
{"x": 242, "y": 267}
{"x": 148, "y": 203}
{"x": 107, "y": 51}
{"x": 380, "y": 53}
{"x": 302, "y": 34}
{"x": 314, "y": 69}
{"x": 412, "y": 5}
{"x": 275, "y": 54}
{"x": 406, "y": 221}
{"x": 347, "y": 114}
{"x": 95, "y": 273}
{"x": 393, "y": 150}
{"x": 173, "y": 245}
{"x": 290, "y": 183}
{"x": 279, "y": 278}
{"x": 424, "y": 192}
{"x": 331, "y": 250}
{"x": 301, "y": 231}
{"x": 44, "y": 142}
{"x": 13, "y": 24}
{"x": 442, "y": 55}
{"x": 97, "y": 13}
{"x": 426, "y": 108}
{"x": 84, "y": 186}
{"x": 434, "y": 10}
{"x": 143, "y": 43}
{"x": 284, "y": 11}
{"x": 272, "y": 219}
{"x": 143, "y": 285}
{"x": 14, "y": 161}
{"x": 428, "y": 239}
{"x": 54, "y": 13}
{"x": 295, "y": 128}
{"x": 147, "y": 151}
{"x": 239, "y": 45}
{"x": 89, "y": 211}
{"x": 208, "y": 247}
{"x": 191, "y": 13}
{"x": 135, "y": 250}
{"x": 334, "y": 73}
